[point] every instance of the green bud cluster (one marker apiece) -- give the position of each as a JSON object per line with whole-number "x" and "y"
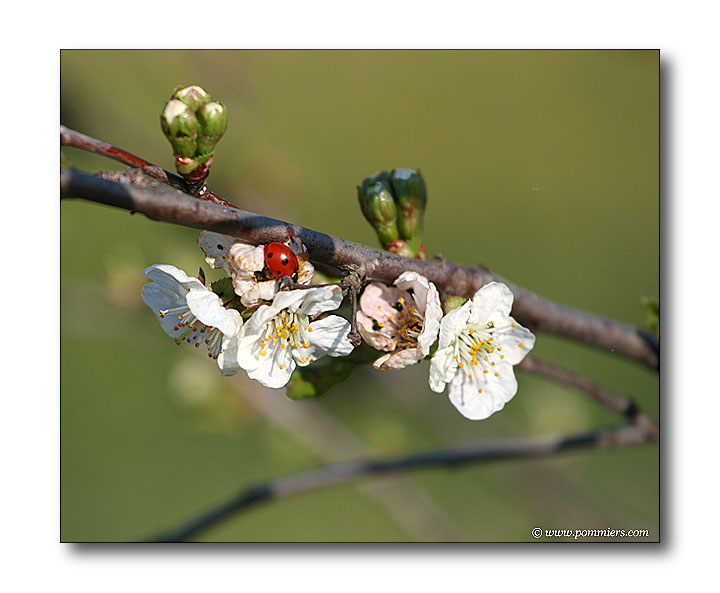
{"x": 193, "y": 124}
{"x": 393, "y": 202}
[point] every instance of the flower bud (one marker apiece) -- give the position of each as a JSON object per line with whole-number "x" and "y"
{"x": 378, "y": 207}
{"x": 180, "y": 127}
{"x": 213, "y": 123}
{"x": 410, "y": 197}
{"x": 193, "y": 96}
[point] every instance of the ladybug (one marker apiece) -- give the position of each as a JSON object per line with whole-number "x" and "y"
{"x": 280, "y": 259}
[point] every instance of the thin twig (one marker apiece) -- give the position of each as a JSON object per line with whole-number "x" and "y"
{"x": 621, "y": 404}
{"x": 539, "y": 314}
{"x": 350, "y": 470}
{"x": 70, "y": 137}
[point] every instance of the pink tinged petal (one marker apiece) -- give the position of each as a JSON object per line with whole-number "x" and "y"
{"x": 377, "y": 301}
{"x": 376, "y": 339}
{"x": 453, "y": 323}
{"x": 443, "y": 368}
{"x": 496, "y": 391}
{"x": 215, "y": 247}
{"x": 431, "y": 324}
{"x": 509, "y": 340}
{"x": 329, "y": 335}
{"x": 319, "y": 300}
{"x": 492, "y": 302}
{"x": 208, "y": 308}
{"x": 398, "y": 360}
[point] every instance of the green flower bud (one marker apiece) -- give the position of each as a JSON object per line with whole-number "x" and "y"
{"x": 213, "y": 123}
{"x": 193, "y": 96}
{"x": 411, "y": 197}
{"x": 378, "y": 206}
{"x": 180, "y": 127}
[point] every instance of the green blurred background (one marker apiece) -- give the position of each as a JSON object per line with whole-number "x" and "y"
{"x": 542, "y": 165}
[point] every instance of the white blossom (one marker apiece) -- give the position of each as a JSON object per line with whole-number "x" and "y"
{"x": 190, "y": 313}
{"x": 280, "y": 336}
{"x": 478, "y": 346}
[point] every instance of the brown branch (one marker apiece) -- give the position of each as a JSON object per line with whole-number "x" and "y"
{"x": 338, "y": 473}
{"x": 540, "y": 314}
{"x": 621, "y": 404}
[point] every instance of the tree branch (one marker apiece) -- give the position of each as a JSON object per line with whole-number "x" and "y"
{"x": 620, "y": 404}
{"x": 539, "y": 314}
{"x": 350, "y": 470}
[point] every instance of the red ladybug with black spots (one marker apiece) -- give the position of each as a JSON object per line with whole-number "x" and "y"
{"x": 280, "y": 260}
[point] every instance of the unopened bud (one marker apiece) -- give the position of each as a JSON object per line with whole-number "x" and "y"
{"x": 213, "y": 123}
{"x": 193, "y": 96}
{"x": 378, "y": 206}
{"x": 180, "y": 127}
{"x": 411, "y": 197}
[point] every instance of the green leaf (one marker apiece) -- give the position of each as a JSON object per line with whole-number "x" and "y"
{"x": 318, "y": 378}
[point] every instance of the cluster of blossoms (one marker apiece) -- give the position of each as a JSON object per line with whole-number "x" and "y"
{"x": 268, "y": 332}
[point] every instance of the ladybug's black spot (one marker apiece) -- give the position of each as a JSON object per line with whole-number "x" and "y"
{"x": 269, "y": 255}
{"x": 220, "y": 247}
{"x": 285, "y": 261}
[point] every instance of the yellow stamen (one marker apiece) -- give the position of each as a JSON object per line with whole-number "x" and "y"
{"x": 520, "y": 344}
{"x": 496, "y": 373}
{"x": 479, "y": 390}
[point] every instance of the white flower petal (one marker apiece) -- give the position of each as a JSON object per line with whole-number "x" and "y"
{"x": 274, "y": 371}
{"x": 418, "y": 284}
{"x": 215, "y": 247}
{"x": 496, "y": 392}
{"x": 330, "y": 335}
{"x": 492, "y": 302}
{"x": 453, "y": 323}
{"x": 170, "y": 277}
{"x": 431, "y": 324}
{"x": 319, "y": 300}
{"x": 208, "y": 308}
{"x": 510, "y": 338}
{"x": 443, "y": 368}
{"x": 227, "y": 359}
{"x": 398, "y": 359}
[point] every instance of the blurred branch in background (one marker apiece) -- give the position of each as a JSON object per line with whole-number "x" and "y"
{"x": 350, "y": 470}
{"x": 541, "y": 315}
